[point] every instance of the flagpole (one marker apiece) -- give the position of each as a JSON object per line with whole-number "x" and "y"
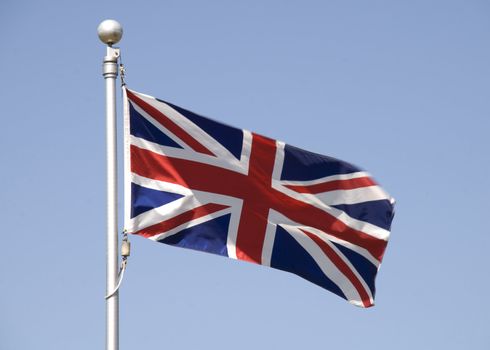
{"x": 110, "y": 32}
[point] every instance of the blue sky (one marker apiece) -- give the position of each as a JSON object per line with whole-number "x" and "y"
{"x": 398, "y": 88}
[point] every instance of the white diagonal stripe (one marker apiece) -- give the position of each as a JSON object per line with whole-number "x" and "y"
{"x": 159, "y": 126}
{"x": 279, "y": 219}
{"x": 190, "y": 223}
{"x": 164, "y": 212}
{"x": 315, "y": 201}
{"x": 172, "y": 152}
{"x": 160, "y": 185}
{"x": 192, "y": 129}
{"x": 345, "y": 260}
{"x": 326, "y": 265}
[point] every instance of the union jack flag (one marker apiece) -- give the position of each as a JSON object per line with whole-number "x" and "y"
{"x": 199, "y": 184}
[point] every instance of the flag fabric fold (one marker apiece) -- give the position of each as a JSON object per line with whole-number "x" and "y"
{"x": 196, "y": 183}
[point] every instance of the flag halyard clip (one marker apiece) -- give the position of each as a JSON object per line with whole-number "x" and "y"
{"x": 125, "y": 253}
{"x": 122, "y": 71}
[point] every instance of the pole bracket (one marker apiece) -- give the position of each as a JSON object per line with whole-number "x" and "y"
{"x": 110, "y": 62}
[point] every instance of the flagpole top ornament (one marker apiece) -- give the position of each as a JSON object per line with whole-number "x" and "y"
{"x": 110, "y": 32}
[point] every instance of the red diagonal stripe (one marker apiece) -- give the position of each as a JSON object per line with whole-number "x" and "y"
{"x": 343, "y": 267}
{"x": 180, "y": 219}
{"x": 169, "y": 124}
{"x": 308, "y": 215}
{"x": 349, "y": 184}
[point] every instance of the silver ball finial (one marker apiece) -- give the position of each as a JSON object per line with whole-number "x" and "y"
{"x": 110, "y": 32}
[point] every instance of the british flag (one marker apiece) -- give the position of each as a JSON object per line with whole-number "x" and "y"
{"x": 200, "y": 184}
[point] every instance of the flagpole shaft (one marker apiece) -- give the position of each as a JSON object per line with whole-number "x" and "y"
{"x": 112, "y": 303}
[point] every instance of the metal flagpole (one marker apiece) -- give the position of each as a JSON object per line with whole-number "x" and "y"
{"x": 110, "y": 32}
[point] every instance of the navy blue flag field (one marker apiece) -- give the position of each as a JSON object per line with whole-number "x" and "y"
{"x": 197, "y": 183}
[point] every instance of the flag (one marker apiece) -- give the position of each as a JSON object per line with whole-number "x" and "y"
{"x": 196, "y": 183}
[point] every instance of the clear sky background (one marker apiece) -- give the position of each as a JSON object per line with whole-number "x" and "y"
{"x": 400, "y": 88}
